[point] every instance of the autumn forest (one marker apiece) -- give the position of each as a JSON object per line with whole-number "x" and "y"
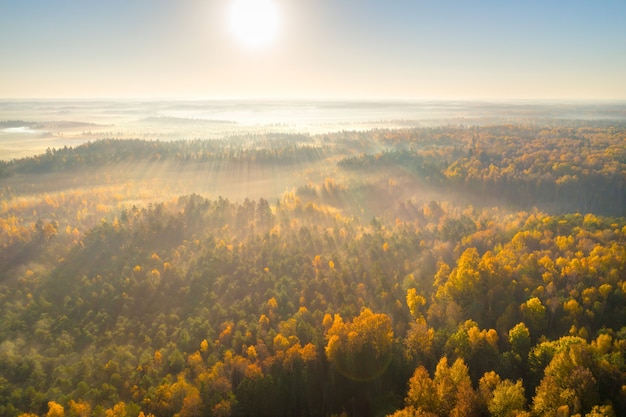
{"x": 433, "y": 271}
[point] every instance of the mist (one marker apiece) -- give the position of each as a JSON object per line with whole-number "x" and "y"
{"x": 217, "y": 258}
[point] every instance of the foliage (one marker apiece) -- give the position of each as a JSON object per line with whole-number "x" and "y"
{"x": 346, "y": 294}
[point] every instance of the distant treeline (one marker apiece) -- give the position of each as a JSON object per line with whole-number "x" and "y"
{"x": 58, "y": 124}
{"x": 277, "y": 149}
{"x": 560, "y": 169}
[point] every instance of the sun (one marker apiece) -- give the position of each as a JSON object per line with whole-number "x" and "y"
{"x": 255, "y": 23}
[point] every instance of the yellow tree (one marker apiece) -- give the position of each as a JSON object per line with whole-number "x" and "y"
{"x": 360, "y": 350}
{"x": 462, "y": 292}
{"x": 118, "y": 410}
{"x": 419, "y": 341}
{"x": 216, "y": 390}
{"x": 454, "y": 389}
{"x": 79, "y": 409}
{"x": 463, "y": 280}
{"x": 534, "y": 315}
{"x": 508, "y": 399}
{"x": 422, "y": 393}
{"x": 449, "y": 393}
{"x": 55, "y": 410}
{"x": 192, "y": 403}
{"x": 568, "y": 383}
{"x": 415, "y": 302}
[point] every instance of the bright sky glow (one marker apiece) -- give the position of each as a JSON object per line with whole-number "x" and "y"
{"x": 254, "y": 22}
{"x": 405, "y": 49}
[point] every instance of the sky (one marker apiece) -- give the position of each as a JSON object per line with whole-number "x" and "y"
{"x": 363, "y": 49}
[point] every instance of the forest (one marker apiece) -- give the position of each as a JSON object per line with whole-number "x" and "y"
{"x": 434, "y": 271}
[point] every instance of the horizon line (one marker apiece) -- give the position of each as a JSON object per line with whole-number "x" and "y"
{"x": 319, "y": 99}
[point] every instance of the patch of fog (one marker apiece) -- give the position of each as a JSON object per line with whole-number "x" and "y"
{"x": 22, "y": 129}
{"x": 304, "y": 115}
{"x": 15, "y": 145}
{"x": 217, "y": 119}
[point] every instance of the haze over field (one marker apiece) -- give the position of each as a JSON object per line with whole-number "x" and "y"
{"x": 29, "y": 127}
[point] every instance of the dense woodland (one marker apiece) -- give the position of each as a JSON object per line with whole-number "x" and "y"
{"x": 448, "y": 271}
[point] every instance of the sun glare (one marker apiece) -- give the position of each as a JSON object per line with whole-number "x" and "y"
{"x": 254, "y": 22}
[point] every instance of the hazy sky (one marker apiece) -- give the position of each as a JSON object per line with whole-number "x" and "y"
{"x": 323, "y": 49}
